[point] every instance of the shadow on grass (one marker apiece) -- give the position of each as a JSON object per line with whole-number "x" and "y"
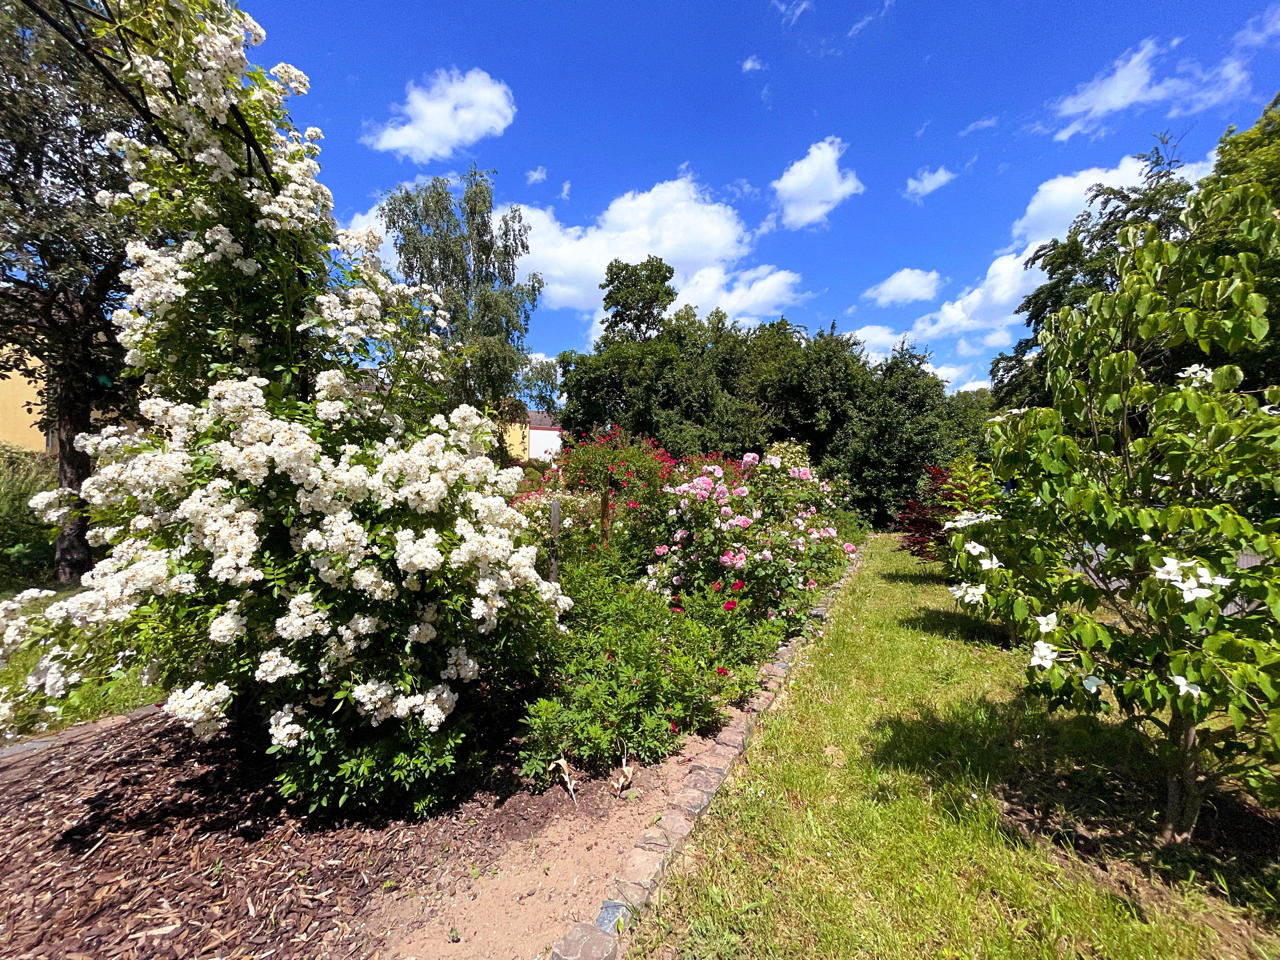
{"x": 922, "y": 578}
{"x": 1088, "y": 785}
{"x": 959, "y": 625}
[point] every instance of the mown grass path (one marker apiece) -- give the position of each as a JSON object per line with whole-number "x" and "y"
{"x": 867, "y": 819}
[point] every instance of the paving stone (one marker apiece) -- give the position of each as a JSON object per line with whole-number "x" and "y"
{"x": 691, "y": 801}
{"x": 642, "y": 868}
{"x": 773, "y": 670}
{"x": 632, "y": 894}
{"x": 707, "y": 781}
{"x": 718, "y": 759}
{"x": 614, "y": 917}
{"x": 678, "y": 825}
{"x": 760, "y": 701}
{"x": 735, "y": 735}
{"x": 585, "y": 941}
{"x": 657, "y": 839}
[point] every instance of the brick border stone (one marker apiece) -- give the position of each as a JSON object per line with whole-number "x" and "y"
{"x": 640, "y": 876}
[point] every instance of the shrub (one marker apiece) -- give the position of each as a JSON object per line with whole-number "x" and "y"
{"x": 632, "y": 677}
{"x": 322, "y": 557}
{"x": 964, "y": 485}
{"x": 759, "y": 528}
{"x": 26, "y": 542}
{"x": 1131, "y": 547}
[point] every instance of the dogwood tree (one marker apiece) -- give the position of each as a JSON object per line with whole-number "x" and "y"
{"x": 1140, "y": 543}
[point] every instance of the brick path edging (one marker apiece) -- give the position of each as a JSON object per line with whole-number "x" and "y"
{"x": 638, "y": 880}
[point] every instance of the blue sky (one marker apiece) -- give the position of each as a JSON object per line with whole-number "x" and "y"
{"x": 886, "y": 165}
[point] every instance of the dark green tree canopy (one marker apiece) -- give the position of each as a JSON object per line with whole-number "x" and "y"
{"x": 61, "y": 251}
{"x": 454, "y": 243}
{"x": 706, "y": 384}
{"x": 637, "y": 296}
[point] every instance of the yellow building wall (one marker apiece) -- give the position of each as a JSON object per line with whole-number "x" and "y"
{"x": 516, "y": 438}
{"x": 16, "y": 427}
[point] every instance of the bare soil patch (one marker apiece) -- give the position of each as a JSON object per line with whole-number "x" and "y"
{"x": 137, "y": 842}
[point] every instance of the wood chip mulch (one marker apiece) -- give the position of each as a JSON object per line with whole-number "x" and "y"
{"x": 139, "y": 843}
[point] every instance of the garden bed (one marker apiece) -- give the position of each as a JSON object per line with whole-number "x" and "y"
{"x": 132, "y": 844}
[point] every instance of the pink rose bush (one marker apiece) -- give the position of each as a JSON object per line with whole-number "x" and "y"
{"x": 768, "y": 528}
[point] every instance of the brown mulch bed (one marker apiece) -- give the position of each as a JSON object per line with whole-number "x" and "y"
{"x": 141, "y": 843}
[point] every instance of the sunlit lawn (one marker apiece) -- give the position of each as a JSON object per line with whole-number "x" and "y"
{"x": 868, "y": 820}
{"x": 91, "y": 701}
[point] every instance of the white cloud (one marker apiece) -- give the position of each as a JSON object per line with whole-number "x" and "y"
{"x": 879, "y": 339}
{"x": 1134, "y": 80}
{"x": 926, "y": 181}
{"x": 453, "y": 110}
{"x": 974, "y": 385}
{"x": 907, "y": 285}
{"x": 1057, "y": 201}
{"x": 703, "y": 240}
{"x": 869, "y": 19}
{"x": 791, "y": 11}
{"x": 536, "y": 175}
{"x": 983, "y": 313}
{"x": 1260, "y": 30}
{"x": 948, "y": 372}
{"x": 752, "y": 63}
{"x": 811, "y": 187}
{"x": 984, "y": 123}
{"x": 565, "y": 188}
{"x": 987, "y": 308}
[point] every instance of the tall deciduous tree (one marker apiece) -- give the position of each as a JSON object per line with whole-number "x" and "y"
{"x": 61, "y": 252}
{"x": 454, "y": 243}
{"x": 899, "y": 428}
{"x": 637, "y": 296}
{"x": 1084, "y": 263}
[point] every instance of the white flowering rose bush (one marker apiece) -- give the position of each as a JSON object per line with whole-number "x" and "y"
{"x": 299, "y": 542}
{"x": 1138, "y": 546}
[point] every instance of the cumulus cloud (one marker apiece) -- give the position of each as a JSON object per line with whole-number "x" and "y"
{"x": 752, "y": 63}
{"x": 907, "y": 285}
{"x": 981, "y": 317}
{"x": 974, "y": 385}
{"x": 983, "y": 123}
{"x": 565, "y": 188}
{"x": 704, "y": 241}
{"x": 948, "y": 372}
{"x": 536, "y": 175}
{"x": 926, "y": 181}
{"x": 1142, "y": 77}
{"x": 453, "y": 110}
{"x": 814, "y": 185}
{"x": 879, "y": 339}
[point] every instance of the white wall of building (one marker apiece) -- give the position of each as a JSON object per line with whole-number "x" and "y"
{"x": 544, "y": 444}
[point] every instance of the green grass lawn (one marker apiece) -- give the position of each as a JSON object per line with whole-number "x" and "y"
{"x": 905, "y": 801}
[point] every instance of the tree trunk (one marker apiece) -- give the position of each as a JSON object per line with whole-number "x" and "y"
{"x": 1186, "y": 792}
{"x": 71, "y": 556}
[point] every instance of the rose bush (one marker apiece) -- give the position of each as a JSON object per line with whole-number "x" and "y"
{"x": 754, "y": 531}
{"x": 298, "y": 538}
